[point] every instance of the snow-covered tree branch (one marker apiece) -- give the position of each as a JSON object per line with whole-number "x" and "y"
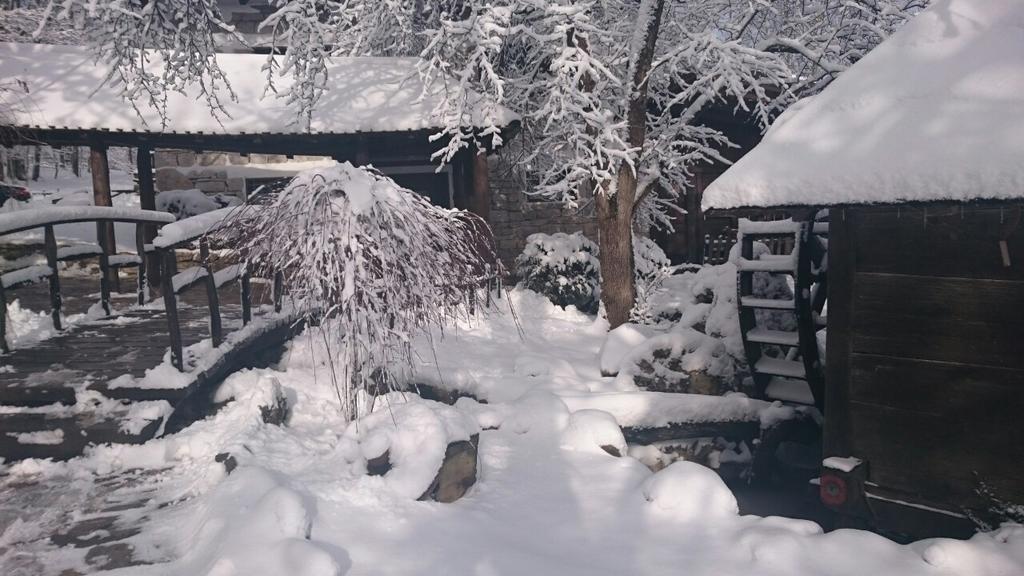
{"x": 368, "y": 262}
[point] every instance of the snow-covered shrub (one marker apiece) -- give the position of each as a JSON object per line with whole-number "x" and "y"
{"x": 684, "y": 360}
{"x": 563, "y": 267}
{"x": 703, "y": 349}
{"x": 368, "y": 263}
{"x": 652, "y": 267}
{"x": 187, "y": 203}
{"x": 566, "y": 269}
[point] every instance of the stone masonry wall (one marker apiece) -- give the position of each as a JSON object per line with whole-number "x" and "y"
{"x": 514, "y": 217}
{"x": 207, "y": 171}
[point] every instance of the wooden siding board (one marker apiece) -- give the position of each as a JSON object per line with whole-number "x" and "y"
{"x": 842, "y": 258}
{"x": 941, "y": 241}
{"x": 929, "y": 353}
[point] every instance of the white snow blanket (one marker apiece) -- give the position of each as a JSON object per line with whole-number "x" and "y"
{"x": 548, "y": 499}
{"x": 363, "y": 95}
{"x": 934, "y": 113}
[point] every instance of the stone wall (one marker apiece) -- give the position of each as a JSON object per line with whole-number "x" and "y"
{"x": 514, "y": 216}
{"x": 211, "y": 172}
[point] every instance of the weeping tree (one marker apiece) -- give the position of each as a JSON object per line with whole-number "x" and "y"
{"x": 368, "y": 263}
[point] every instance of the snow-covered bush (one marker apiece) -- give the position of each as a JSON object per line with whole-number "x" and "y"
{"x": 369, "y": 264}
{"x": 702, "y": 350}
{"x": 563, "y": 267}
{"x": 187, "y": 203}
{"x": 652, "y": 267}
{"x": 566, "y": 269}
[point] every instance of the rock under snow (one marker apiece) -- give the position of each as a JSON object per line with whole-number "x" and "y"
{"x": 618, "y": 344}
{"x": 690, "y": 492}
{"x": 594, "y": 431}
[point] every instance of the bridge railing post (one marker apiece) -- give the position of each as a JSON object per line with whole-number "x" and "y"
{"x": 169, "y": 264}
{"x": 105, "y": 251}
{"x": 278, "y": 290}
{"x": 216, "y": 330}
{"x": 246, "y": 296}
{"x": 144, "y": 262}
{"x": 3, "y": 320}
{"x": 50, "y": 243}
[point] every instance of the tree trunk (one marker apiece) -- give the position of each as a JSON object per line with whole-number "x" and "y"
{"x": 615, "y": 212}
{"x": 615, "y": 225}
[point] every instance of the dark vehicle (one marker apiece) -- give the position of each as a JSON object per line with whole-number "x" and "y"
{"x": 8, "y": 191}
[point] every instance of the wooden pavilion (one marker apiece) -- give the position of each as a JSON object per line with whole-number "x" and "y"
{"x": 916, "y": 152}
{"x": 374, "y": 111}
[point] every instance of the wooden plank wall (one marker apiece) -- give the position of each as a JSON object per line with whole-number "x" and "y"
{"x": 926, "y": 348}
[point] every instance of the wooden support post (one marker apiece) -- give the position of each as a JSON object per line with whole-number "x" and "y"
{"x": 481, "y": 186}
{"x": 147, "y": 201}
{"x": 216, "y": 330}
{"x": 278, "y": 290}
{"x": 105, "y": 277}
{"x": 100, "y": 169}
{"x": 50, "y": 244}
{"x": 246, "y": 295}
{"x": 3, "y": 320}
{"x": 144, "y": 264}
{"x": 170, "y": 262}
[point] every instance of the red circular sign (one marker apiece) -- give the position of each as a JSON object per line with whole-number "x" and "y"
{"x": 833, "y": 490}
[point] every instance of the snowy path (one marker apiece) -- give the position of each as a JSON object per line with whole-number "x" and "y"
{"x": 548, "y": 499}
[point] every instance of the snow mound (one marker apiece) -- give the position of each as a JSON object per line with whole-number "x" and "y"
{"x": 592, "y": 430}
{"x": 254, "y": 524}
{"x": 689, "y": 492}
{"x": 996, "y": 553}
{"x": 187, "y": 203}
{"x": 537, "y": 411}
{"x": 618, "y": 344}
{"x": 414, "y": 433}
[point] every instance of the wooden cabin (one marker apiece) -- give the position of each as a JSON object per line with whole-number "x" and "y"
{"x": 917, "y": 153}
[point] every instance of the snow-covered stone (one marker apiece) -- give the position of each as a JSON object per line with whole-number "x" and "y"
{"x": 689, "y": 492}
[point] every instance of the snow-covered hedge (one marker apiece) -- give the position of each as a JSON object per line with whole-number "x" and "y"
{"x": 187, "y": 203}
{"x": 563, "y": 267}
{"x": 566, "y": 269}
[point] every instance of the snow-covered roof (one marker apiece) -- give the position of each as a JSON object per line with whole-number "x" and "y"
{"x": 934, "y": 113}
{"x": 363, "y": 95}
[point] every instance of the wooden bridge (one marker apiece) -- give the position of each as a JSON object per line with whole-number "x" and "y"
{"x": 128, "y": 375}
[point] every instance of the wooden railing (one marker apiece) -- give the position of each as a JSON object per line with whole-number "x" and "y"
{"x": 174, "y": 282}
{"x": 172, "y": 235}
{"x": 48, "y": 219}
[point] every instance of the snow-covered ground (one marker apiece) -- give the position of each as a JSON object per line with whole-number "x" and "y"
{"x": 548, "y": 499}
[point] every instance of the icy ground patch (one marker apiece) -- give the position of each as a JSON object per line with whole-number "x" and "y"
{"x": 548, "y": 499}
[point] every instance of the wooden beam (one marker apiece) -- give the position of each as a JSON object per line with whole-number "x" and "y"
{"x": 147, "y": 201}
{"x": 100, "y": 169}
{"x": 481, "y": 186}
{"x": 836, "y": 430}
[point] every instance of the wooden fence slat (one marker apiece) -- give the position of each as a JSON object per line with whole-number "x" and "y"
{"x": 144, "y": 263}
{"x": 246, "y": 296}
{"x": 171, "y": 308}
{"x": 50, "y": 243}
{"x": 101, "y": 238}
{"x": 216, "y": 330}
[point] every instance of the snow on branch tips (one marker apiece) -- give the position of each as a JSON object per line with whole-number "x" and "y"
{"x": 369, "y": 263}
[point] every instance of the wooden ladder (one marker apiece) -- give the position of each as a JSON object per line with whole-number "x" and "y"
{"x": 785, "y": 365}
